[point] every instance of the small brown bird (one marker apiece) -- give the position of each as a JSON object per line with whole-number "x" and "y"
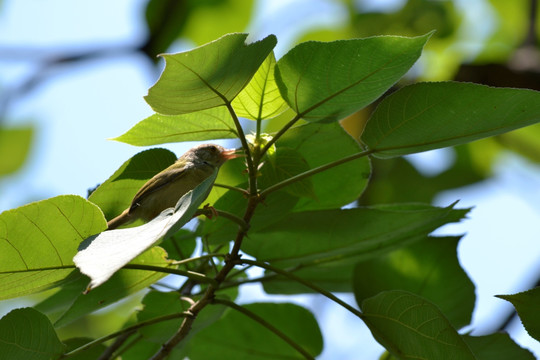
{"x": 167, "y": 187}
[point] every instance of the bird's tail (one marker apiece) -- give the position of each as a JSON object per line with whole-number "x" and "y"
{"x": 123, "y": 218}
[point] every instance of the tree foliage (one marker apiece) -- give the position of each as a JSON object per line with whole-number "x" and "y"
{"x": 287, "y": 207}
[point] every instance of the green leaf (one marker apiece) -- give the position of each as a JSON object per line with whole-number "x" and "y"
{"x": 411, "y": 327}
{"x": 328, "y": 81}
{"x": 90, "y": 354}
{"x": 428, "y": 116}
{"x": 526, "y": 304}
{"x": 428, "y": 268}
{"x": 117, "y": 192}
{"x": 122, "y": 284}
{"x": 38, "y": 241}
{"x": 160, "y": 304}
{"x": 261, "y": 99}
{"x": 240, "y": 337}
{"x": 207, "y": 76}
{"x": 313, "y": 237}
{"x": 207, "y": 124}
{"x": 496, "y": 347}
{"x": 103, "y": 254}
{"x": 14, "y": 147}
{"x": 321, "y": 144}
{"x": 283, "y": 164}
{"x": 28, "y": 334}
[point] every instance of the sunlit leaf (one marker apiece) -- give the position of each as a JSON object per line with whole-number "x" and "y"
{"x": 38, "y": 241}
{"x": 103, "y": 254}
{"x": 328, "y": 81}
{"x": 428, "y": 268}
{"x": 526, "y": 304}
{"x": 428, "y": 116}
{"x": 207, "y": 124}
{"x": 28, "y": 334}
{"x": 261, "y": 99}
{"x": 14, "y": 147}
{"x": 208, "y": 76}
{"x": 411, "y": 327}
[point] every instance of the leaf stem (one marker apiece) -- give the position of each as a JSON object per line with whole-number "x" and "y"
{"x": 129, "y": 329}
{"x": 304, "y": 282}
{"x": 234, "y": 188}
{"x": 279, "y": 134}
{"x": 224, "y": 214}
{"x": 202, "y": 257}
{"x": 266, "y": 324}
{"x": 189, "y": 274}
{"x": 251, "y": 167}
{"x": 313, "y": 171}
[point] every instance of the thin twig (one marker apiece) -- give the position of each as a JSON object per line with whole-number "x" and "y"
{"x": 266, "y": 324}
{"x": 129, "y": 329}
{"x": 304, "y": 282}
{"x": 314, "y": 171}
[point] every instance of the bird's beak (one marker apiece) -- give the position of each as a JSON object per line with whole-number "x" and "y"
{"x": 229, "y": 154}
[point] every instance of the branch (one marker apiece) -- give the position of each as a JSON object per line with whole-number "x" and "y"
{"x": 190, "y": 274}
{"x": 313, "y": 172}
{"x": 266, "y": 324}
{"x": 129, "y": 329}
{"x": 304, "y": 282}
{"x": 279, "y": 134}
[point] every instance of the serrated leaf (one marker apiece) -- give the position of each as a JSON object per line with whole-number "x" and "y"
{"x": 117, "y": 192}
{"x": 526, "y": 304}
{"x": 202, "y": 125}
{"x": 328, "y": 81}
{"x": 340, "y": 235}
{"x": 496, "y": 347}
{"x": 101, "y": 255}
{"x": 428, "y": 116}
{"x": 411, "y": 327}
{"x": 38, "y": 241}
{"x": 261, "y": 99}
{"x": 208, "y": 76}
{"x": 28, "y": 334}
{"x": 428, "y": 268}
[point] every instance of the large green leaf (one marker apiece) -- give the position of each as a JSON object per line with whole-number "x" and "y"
{"x": 14, "y": 147}
{"x": 261, "y": 99}
{"x": 202, "y": 125}
{"x": 428, "y": 116}
{"x": 428, "y": 268}
{"x": 526, "y": 304}
{"x": 321, "y": 144}
{"x": 38, "y": 241}
{"x": 28, "y": 334}
{"x": 313, "y": 237}
{"x": 328, "y": 81}
{"x": 207, "y": 76}
{"x": 411, "y": 327}
{"x": 122, "y": 284}
{"x": 240, "y": 337}
{"x": 117, "y": 192}
{"x": 496, "y": 347}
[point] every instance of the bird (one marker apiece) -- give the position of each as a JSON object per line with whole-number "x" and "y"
{"x": 165, "y": 189}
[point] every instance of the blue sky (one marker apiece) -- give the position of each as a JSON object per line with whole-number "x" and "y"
{"x": 81, "y": 106}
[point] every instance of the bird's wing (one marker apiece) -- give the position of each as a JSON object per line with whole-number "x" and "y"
{"x": 164, "y": 178}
